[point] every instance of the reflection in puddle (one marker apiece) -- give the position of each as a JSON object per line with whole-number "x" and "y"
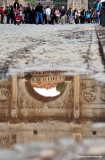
{"x": 77, "y": 112}
{"x": 47, "y": 92}
{"x": 48, "y": 83}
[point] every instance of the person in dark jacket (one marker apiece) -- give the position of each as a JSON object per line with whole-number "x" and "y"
{"x": 82, "y": 16}
{"x": 44, "y": 15}
{"x": 16, "y": 5}
{"x": 53, "y": 16}
{"x": 69, "y": 15}
{"x": 28, "y": 12}
{"x": 8, "y": 10}
{"x": 11, "y": 14}
{"x": 63, "y": 13}
{"x": 39, "y": 13}
{"x": 32, "y": 15}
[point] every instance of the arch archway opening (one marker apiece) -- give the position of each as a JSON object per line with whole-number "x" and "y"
{"x": 49, "y": 89}
{"x": 48, "y": 85}
{"x": 51, "y": 92}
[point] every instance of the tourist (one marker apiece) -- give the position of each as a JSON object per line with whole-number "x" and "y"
{"x": 82, "y": 16}
{"x": 76, "y": 16}
{"x": 98, "y": 9}
{"x": 73, "y": 16}
{"x": 1, "y": 15}
{"x": 39, "y": 13}
{"x": 63, "y": 13}
{"x": 11, "y": 14}
{"x": 8, "y": 10}
{"x": 92, "y": 17}
{"x": 69, "y": 15}
{"x": 32, "y": 15}
{"x": 53, "y": 16}
{"x": 57, "y": 14}
{"x": 44, "y": 15}
{"x": 28, "y": 12}
{"x": 22, "y": 13}
{"x": 16, "y": 5}
{"x": 48, "y": 14}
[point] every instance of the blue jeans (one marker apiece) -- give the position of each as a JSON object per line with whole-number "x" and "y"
{"x": 39, "y": 18}
{"x": 98, "y": 19}
{"x": 28, "y": 18}
{"x": 70, "y": 19}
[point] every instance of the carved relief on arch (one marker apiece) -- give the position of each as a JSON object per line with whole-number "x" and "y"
{"x": 102, "y": 94}
{"x": 4, "y": 94}
{"x": 56, "y": 108}
{"x": 89, "y": 95}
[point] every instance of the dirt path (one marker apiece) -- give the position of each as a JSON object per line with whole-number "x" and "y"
{"x": 66, "y": 47}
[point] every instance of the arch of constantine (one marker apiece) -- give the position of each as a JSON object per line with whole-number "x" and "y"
{"x": 70, "y": 114}
{"x": 83, "y": 98}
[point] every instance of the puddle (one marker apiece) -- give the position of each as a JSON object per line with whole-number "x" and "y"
{"x": 31, "y": 119}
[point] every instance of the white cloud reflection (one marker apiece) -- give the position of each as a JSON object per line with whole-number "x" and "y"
{"x": 47, "y": 92}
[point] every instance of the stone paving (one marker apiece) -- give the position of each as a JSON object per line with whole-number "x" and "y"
{"x": 66, "y": 47}
{"x": 64, "y": 149}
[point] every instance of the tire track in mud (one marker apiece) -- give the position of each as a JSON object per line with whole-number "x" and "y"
{"x": 61, "y": 48}
{"x": 80, "y": 35}
{"x": 23, "y": 53}
{"x": 91, "y": 57}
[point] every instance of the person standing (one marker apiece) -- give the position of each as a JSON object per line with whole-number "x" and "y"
{"x": 82, "y": 16}
{"x": 98, "y": 9}
{"x": 11, "y": 14}
{"x": 28, "y": 13}
{"x": 39, "y": 13}
{"x": 57, "y": 14}
{"x": 8, "y": 10}
{"x": 53, "y": 16}
{"x": 2, "y": 15}
{"x": 44, "y": 15}
{"x": 48, "y": 14}
{"x": 32, "y": 15}
{"x": 76, "y": 16}
{"x": 63, "y": 13}
{"x": 69, "y": 15}
{"x": 16, "y": 5}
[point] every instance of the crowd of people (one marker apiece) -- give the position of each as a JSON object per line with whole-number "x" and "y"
{"x": 50, "y": 15}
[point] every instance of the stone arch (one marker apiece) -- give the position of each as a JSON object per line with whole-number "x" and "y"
{"x": 32, "y": 106}
{"x": 37, "y": 96}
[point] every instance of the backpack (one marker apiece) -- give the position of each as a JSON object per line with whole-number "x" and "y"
{"x": 88, "y": 15}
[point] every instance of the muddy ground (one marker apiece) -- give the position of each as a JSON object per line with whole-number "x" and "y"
{"x": 66, "y": 47}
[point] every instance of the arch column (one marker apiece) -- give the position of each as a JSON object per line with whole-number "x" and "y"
{"x": 76, "y": 96}
{"x": 14, "y": 109}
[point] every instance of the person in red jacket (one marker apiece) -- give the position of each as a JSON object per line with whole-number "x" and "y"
{"x": 1, "y": 14}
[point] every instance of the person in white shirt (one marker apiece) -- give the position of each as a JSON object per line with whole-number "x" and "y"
{"x": 48, "y": 14}
{"x": 76, "y": 17}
